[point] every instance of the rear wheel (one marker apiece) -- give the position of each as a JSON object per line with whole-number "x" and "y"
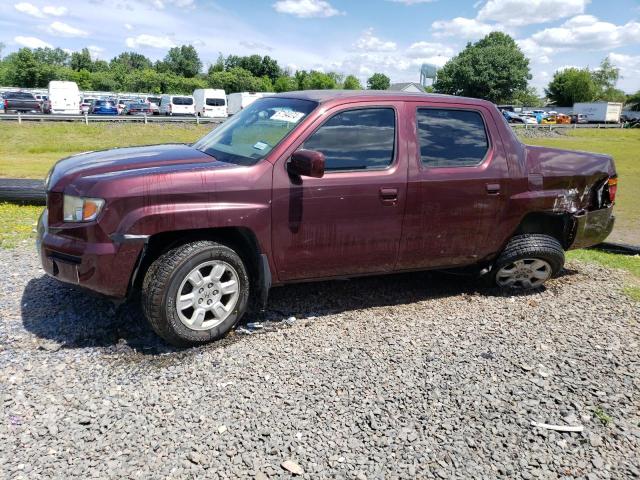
{"x": 528, "y": 261}
{"x": 195, "y": 293}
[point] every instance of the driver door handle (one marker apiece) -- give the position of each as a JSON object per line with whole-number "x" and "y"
{"x": 389, "y": 196}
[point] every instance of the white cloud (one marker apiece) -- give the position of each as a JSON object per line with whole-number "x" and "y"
{"x": 587, "y": 32}
{"x": 60, "y": 29}
{"x": 28, "y": 9}
{"x": 629, "y": 66}
{"x": 527, "y": 12}
{"x": 160, "y": 4}
{"x": 463, "y": 28}
{"x": 412, "y": 2}
{"x": 128, "y": 26}
{"x": 535, "y": 52}
{"x": 54, "y": 11}
{"x": 306, "y": 8}
{"x": 31, "y": 42}
{"x": 429, "y": 49}
{"x": 153, "y": 41}
{"x": 368, "y": 42}
{"x": 95, "y": 51}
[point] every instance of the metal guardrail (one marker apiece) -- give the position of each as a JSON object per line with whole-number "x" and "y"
{"x": 35, "y": 117}
{"x": 552, "y": 126}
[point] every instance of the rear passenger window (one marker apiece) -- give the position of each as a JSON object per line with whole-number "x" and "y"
{"x": 451, "y": 138}
{"x": 356, "y": 139}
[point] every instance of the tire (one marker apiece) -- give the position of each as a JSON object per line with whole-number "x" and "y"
{"x": 169, "y": 275}
{"x": 527, "y": 262}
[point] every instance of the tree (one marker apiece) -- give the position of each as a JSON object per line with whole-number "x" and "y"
{"x": 81, "y": 60}
{"x": 131, "y": 61}
{"x": 606, "y": 76}
{"x": 24, "y": 70}
{"x": 633, "y": 101}
{"x": 527, "y": 98}
{"x": 494, "y": 68}
{"x": 52, "y": 56}
{"x": 378, "y": 81}
{"x": 315, "y": 80}
{"x": 570, "y": 86}
{"x": 183, "y": 61}
{"x": 351, "y": 82}
{"x": 285, "y": 84}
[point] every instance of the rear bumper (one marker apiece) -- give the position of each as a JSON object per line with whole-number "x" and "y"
{"x": 105, "y": 268}
{"x": 592, "y": 227}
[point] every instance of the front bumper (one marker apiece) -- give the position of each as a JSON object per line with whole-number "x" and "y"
{"x": 592, "y": 227}
{"x": 105, "y": 268}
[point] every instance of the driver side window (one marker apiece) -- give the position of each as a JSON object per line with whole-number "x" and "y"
{"x": 360, "y": 139}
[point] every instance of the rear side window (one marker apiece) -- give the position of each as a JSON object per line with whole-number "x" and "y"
{"x": 451, "y": 138}
{"x": 182, "y": 101}
{"x": 215, "y": 102}
{"x": 360, "y": 139}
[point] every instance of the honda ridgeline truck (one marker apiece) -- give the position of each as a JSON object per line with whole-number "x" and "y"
{"x": 315, "y": 185}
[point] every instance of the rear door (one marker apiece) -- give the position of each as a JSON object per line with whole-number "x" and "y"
{"x": 457, "y": 189}
{"x": 348, "y": 222}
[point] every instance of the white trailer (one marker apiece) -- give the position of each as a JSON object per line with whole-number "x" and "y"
{"x": 599, "y": 112}
{"x": 210, "y": 102}
{"x": 238, "y": 101}
{"x": 64, "y": 97}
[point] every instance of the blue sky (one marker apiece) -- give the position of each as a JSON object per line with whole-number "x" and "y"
{"x": 349, "y": 36}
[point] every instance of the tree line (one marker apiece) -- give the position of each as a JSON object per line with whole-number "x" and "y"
{"x": 493, "y": 68}
{"x": 181, "y": 71}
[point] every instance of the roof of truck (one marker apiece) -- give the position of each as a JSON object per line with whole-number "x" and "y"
{"x": 323, "y": 96}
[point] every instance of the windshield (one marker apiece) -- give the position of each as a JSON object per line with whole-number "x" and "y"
{"x": 252, "y": 133}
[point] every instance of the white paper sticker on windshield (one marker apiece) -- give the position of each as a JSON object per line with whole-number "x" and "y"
{"x": 287, "y": 116}
{"x": 260, "y": 145}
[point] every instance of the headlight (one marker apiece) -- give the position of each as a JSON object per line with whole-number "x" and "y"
{"x": 80, "y": 209}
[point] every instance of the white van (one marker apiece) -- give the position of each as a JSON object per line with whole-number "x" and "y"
{"x": 177, "y": 105}
{"x": 210, "y": 102}
{"x": 64, "y": 97}
{"x": 238, "y": 101}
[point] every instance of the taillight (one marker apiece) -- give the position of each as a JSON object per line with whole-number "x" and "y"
{"x": 612, "y": 183}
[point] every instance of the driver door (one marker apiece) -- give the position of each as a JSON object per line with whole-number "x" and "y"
{"x": 349, "y": 221}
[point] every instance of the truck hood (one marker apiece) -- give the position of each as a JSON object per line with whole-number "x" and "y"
{"x": 124, "y": 160}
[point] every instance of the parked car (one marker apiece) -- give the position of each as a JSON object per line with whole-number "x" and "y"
{"x": 86, "y": 104}
{"x": 238, "y": 101}
{"x": 210, "y": 102}
{"x": 64, "y": 98}
{"x": 42, "y": 99}
{"x": 104, "y": 107}
{"x": 529, "y": 119}
{"x": 1, "y": 103}
{"x": 154, "y": 104}
{"x": 579, "y": 118}
{"x": 139, "y": 108}
{"x": 512, "y": 117}
{"x": 548, "y": 120}
{"x": 563, "y": 119}
{"x": 317, "y": 185}
{"x": 23, "y": 102}
{"x": 177, "y": 105}
{"x": 122, "y": 102}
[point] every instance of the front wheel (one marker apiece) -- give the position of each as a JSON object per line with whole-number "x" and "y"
{"x": 195, "y": 293}
{"x": 528, "y": 261}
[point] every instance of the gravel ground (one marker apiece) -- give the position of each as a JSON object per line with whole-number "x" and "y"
{"x": 390, "y": 377}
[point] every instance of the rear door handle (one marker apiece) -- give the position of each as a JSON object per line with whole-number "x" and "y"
{"x": 389, "y": 196}
{"x": 493, "y": 188}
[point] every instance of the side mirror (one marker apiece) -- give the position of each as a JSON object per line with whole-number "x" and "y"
{"x": 307, "y": 163}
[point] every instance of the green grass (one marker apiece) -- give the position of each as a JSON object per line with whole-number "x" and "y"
{"x": 603, "y": 416}
{"x": 17, "y": 224}
{"x": 624, "y": 146}
{"x": 30, "y": 149}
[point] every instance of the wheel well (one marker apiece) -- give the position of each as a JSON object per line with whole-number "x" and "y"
{"x": 558, "y": 226}
{"x": 242, "y": 240}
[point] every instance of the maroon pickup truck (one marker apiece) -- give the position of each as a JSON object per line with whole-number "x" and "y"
{"x": 316, "y": 185}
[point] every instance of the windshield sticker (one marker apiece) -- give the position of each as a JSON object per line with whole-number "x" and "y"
{"x": 287, "y": 116}
{"x": 260, "y": 145}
